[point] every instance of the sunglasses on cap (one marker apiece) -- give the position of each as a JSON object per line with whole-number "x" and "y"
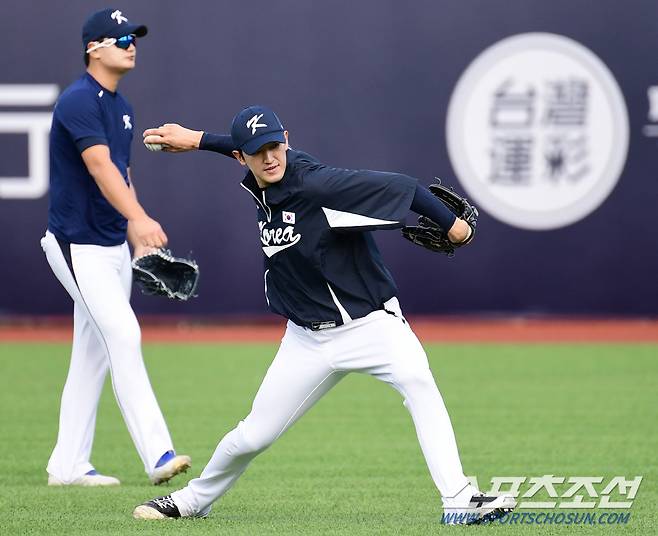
{"x": 122, "y": 42}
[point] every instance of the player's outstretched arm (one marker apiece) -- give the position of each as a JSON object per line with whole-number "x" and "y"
{"x": 378, "y": 195}
{"x": 426, "y": 204}
{"x": 175, "y": 138}
{"x": 447, "y": 220}
{"x": 112, "y": 185}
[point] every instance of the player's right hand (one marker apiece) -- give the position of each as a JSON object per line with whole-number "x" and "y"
{"x": 175, "y": 138}
{"x": 148, "y": 232}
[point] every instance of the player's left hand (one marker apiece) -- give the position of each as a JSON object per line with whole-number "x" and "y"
{"x": 147, "y": 232}
{"x": 159, "y": 273}
{"x": 140, "y": 250}
{"x": 430, "y": 235}
{"x": 173, "y": 137}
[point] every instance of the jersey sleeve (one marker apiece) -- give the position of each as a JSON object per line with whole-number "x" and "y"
{"x": 359, "y": 199}
{"x": 80, "y": 114}
{"x": 427, "y": 204}
{"x": 217, "y": 143}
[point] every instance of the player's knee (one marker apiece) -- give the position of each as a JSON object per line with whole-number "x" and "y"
{"x": 127, "y": 336}
{"x": 415, "y": 380}
{"x": 258, "y": 442}
{"x": 255, "y": 440}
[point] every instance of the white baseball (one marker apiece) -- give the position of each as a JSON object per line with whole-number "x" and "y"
{"x": 155, "y": 146}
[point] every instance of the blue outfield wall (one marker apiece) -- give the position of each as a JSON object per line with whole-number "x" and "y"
{"x": 545, "y": 113}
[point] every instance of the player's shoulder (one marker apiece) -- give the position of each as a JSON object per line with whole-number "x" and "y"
{"x": 79, "y": 95}
{"x": 120, "y": 98}
{"x": 301, "y": 160}
{"x": 80, "y": 87}
{"x": 308, "y": 172}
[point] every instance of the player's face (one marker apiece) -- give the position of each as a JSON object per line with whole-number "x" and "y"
{"x": 117, "y": 59}
{"x": 269, "y": 164}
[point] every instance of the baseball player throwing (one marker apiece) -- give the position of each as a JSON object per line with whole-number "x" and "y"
{"x": 324, "y": 273}
{"x": 92, "y": 207}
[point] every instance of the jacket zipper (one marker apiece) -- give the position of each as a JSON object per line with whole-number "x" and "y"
{"x": 263, "y": 204}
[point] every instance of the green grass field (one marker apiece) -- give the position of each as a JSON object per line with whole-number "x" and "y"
{"x": 352, "y": 465}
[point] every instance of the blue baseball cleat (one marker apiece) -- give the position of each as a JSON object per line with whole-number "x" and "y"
{"x": 169, "y": 465}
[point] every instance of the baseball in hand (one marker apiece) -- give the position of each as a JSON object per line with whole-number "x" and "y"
{"x": 155, "y": 146}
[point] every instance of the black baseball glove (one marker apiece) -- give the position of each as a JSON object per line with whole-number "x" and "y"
{"x": 430, "y": 235}
{"x": 161, "y": 274}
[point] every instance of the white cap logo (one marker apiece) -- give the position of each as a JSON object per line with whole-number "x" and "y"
{"x": 117, "y": 16}
{"x": 253, "y": 123}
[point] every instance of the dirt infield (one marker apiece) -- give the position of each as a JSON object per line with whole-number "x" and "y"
{"x": 427, "y": 329}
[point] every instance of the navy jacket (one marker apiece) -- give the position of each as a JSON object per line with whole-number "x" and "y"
{"x": 322, "y": 266}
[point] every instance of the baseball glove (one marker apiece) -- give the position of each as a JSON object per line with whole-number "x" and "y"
{"x": 430, "y": 235}
{"x": 160, "y": 274}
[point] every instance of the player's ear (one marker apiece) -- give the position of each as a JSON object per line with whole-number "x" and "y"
{"x": 285, "y": 135}
{"x": 238, "y": 156}
{"x": 94, "y": 53}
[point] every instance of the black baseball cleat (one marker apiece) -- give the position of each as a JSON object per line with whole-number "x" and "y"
{"x": 488, "y": 508}
{"x": 158, "y": 508}
{"x": 481, "y": 509}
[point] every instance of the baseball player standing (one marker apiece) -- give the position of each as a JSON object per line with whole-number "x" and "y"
{"x": 93, "y": 207}
{"x": 324, "y": 273}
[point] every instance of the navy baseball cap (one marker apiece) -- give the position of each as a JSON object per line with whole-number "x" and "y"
{"x": 109, "y": 22}
{"x": 255, "y": 126}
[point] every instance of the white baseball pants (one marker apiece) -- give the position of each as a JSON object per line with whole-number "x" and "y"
{"x": 106, "y": 336}
{"x": 307, "y": 365}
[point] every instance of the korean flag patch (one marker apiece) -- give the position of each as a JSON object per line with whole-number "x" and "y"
{"x": 288, "y": 217}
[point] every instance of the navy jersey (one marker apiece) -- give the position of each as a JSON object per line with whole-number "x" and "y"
{"x": 86, "y": 114}
{"x": 319, "y": 272}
